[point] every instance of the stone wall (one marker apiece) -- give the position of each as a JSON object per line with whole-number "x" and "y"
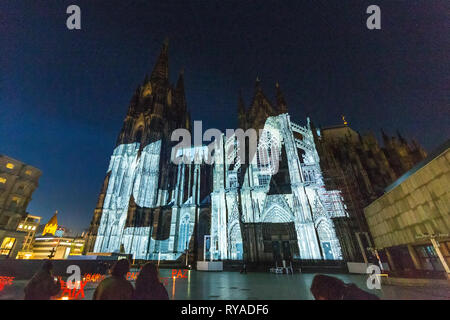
{"x": 17, "y": 183}
{"x": 419, "y": 205}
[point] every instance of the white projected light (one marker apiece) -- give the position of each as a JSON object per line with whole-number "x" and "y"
{"x": 304, "y": 205}
{"x": 308, "y": 205}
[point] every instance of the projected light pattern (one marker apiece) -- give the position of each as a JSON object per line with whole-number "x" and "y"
{"x": 304, "y": 205}
{"x": 134, "y": 176}
{"x": 130, "y": 175}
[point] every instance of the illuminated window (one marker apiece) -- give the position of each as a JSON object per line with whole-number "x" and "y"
{"x": 20, "y": 226}
{"x": 183, "y": 241}
{"x": 2, "y": 180}
{"x": 14, "y": 203}
{"x": 263, "y": 179}
{"x": 10, "y": 165}
{"x": 28, "y": 172}
{"x": 147, "y": 90}
{"x": 7, "y": 245}
{"x": 169, "y": 98}
{"x": 34, "y": 228}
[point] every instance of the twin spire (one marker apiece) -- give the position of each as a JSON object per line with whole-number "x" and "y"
{"x": 160, "y": 76}
{"x": 160, "y": 72}
{"x": 260, "y": 99}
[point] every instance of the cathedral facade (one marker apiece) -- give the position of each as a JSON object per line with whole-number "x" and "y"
{"x": 268, "y": 205}
{"x": 147, "y": 204}
{"x": 274, "y": 206}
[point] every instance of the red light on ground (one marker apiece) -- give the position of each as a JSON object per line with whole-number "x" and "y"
{"x": 5, "y": 281}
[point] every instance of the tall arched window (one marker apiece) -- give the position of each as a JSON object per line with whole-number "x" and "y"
{"x": 183, "y": 238}
{"x": 268, "y": 152}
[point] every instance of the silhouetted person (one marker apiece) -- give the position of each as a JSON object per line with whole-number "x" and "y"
{"x": 115, "y": 287}
{"x": 102, "y": 268}
{"x": 244, "y": 268}
{"x": 330, "y": 288}
{"x": 42, "y": 285}
{"x": 148, "y": 286}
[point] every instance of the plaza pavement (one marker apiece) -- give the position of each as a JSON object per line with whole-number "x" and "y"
{"x": 254, "y": 286}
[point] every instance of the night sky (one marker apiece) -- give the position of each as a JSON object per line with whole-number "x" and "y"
{"x": 64, "y": 93}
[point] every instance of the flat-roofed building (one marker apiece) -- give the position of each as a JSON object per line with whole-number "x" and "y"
{"x": 53, "y": 247}
{"x": 56, "y": 242}
{"x": 411, "y": 221}
{"x": 17, "y": 184}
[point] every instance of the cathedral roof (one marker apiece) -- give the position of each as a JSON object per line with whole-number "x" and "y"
{"x": 261, "y": 107}
{"x": 53, "y": 220}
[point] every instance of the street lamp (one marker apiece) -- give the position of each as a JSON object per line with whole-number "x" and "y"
{"x": 374, "y": 252}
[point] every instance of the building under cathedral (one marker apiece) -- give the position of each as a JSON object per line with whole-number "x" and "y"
{"x": 270, "y": 205}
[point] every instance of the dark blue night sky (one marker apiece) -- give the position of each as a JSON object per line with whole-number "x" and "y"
{"x": 64, "y": 94}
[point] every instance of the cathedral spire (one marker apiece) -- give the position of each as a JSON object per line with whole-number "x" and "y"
{"x": 258, "y": 84}
{"x": 281, "y": 103}
{"x": 180, "y": 81}
{"x": 179, "y": 90}
{"x": 260, "y": 108}
{"x": 241, "y": 111}
{"x": 400, "y": 138}
{"x": 161, "y": 70}
{"x": 241, "y": 104}
{"x": 146, "y": 78}
{"x": 258, "y": 92}
{"x": 385, "y": 137}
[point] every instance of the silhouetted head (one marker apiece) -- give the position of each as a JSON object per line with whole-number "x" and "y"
{"x": 47, "y": 266}
{"x": 327, "y": 288}
{"x": 120, "y": 268}
{"x": 147, "y": 276}
{"x": 148, "y": 286}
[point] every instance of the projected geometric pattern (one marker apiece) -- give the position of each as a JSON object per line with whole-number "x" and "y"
{"x": 303, "y": 205}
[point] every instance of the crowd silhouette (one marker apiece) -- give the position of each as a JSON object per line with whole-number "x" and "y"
{"x": 43, "y": 285}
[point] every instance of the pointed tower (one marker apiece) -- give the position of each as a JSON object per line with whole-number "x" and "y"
{"x": 180, "y": 96}
{"x": 180, "y": 102}
{"x": 146, "y": 87}
{"x": 258, "y": 94}
{"x": 51, "y": 226}
{"x": 401, "y": 139}
{"x": 241, "y": 112}
{"x": 260, "y": 109}
{"x": 385, "y": 138}
{"x": 141, "y": 173}
{"x": 160, "y": 73}
{"x": 281, "y": 102}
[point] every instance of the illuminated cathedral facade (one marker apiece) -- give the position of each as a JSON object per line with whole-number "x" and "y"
{"x": 272, "y": 206}
{"x": 275, "y": 207}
